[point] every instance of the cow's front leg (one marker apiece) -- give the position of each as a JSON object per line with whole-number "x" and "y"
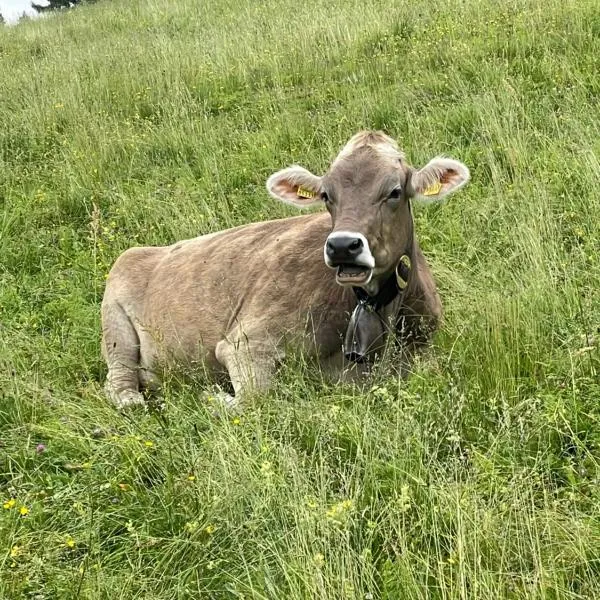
{"x": 250, "y": 365}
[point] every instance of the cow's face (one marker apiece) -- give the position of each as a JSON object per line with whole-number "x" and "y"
{"x": 367, "y": 192}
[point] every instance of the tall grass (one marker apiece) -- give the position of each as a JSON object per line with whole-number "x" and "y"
{"x": 128, "y": 123}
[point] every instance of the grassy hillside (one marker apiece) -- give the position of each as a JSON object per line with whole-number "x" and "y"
{"x": 136, "y": 122}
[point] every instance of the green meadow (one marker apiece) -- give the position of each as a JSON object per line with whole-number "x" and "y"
{"x": 136, "y": 122}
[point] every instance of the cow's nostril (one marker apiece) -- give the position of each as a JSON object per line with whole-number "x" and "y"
{"x": 355, "y": 244}
{"x": 344, "y": 248}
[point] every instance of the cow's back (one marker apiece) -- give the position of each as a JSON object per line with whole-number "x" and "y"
{"x": 267, "y": 277}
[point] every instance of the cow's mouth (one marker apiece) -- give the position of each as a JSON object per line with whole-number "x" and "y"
{"x": 353, "y": 274}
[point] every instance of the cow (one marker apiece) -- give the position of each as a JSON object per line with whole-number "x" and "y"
{"x": 329, "y": 283}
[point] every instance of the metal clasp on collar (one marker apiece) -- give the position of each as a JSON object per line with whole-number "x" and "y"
{"x": 403, "y": 271}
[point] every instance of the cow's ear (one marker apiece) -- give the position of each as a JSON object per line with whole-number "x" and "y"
{"x": 295, "y": 186}
{"x": 438, "y": 178}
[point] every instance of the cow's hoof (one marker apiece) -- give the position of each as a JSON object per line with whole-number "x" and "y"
{"x": 220, "y": 400}
{"x": 125, "y": 398}
{"x": 231, "y": 403}
{"x": 129, "y": 398}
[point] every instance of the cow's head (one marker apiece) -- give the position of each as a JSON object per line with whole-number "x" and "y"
{"x": 367, "y": 192}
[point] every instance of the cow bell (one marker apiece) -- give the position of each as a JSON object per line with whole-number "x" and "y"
{"x": 364, "y": 334}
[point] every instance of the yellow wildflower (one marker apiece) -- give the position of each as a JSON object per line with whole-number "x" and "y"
{"x": 148, "y": 443}
{"x": 403, "y": 500}
{"x": 78, "y": 507}
{"x": 236, "y": 421}
{"x": 191, "y": 478}
{"x": 15, "y": 551}
{"x": 210, "y": 529}
{"x": 23, "y": 511}
{"x": 339, "y": 512}
{"x": 9, "y": 504}
{"x": 69, "y": 542}
{"x": 191, "y": 526}
{"x": 319, "y": 559}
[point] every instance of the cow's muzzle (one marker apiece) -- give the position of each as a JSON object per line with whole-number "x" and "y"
{"x": 349, "y": 253}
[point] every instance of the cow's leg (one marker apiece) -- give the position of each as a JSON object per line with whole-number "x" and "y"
{"x": 121, "y": 349}
{"x": 148, "y": 361}
{"x": 149, "y": 380}
{"x": 337, "y": 369}
{"x": 250, "y": 366}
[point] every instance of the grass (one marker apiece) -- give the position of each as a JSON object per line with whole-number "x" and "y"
{"x": 129, "y": 123}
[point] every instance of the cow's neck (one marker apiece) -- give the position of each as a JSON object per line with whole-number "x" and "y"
{"x": 367, "y": 326}
{"x": 397, "y": 281}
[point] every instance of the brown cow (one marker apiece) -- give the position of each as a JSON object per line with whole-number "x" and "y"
{"x": 237, "y": 299}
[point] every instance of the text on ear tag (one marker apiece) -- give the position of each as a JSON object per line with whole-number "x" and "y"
{"x": 433, "y": 189}
{"x": 403, "y": 271}
{"x": 304, "y": 193}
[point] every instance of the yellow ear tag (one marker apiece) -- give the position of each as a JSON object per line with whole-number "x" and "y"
{"x": 401, "y": 272}
{"x": 304, "y": 193}
{"x": 433, "y": 189}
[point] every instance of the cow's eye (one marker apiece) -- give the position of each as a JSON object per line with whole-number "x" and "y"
{"x": 324, "y": 197}
{"x": 395, "y": 193}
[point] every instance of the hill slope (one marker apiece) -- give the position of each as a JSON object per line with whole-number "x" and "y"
{"x": 129, "y": 123}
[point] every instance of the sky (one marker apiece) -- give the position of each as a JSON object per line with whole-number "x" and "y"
{"x": 12, "y": 9}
